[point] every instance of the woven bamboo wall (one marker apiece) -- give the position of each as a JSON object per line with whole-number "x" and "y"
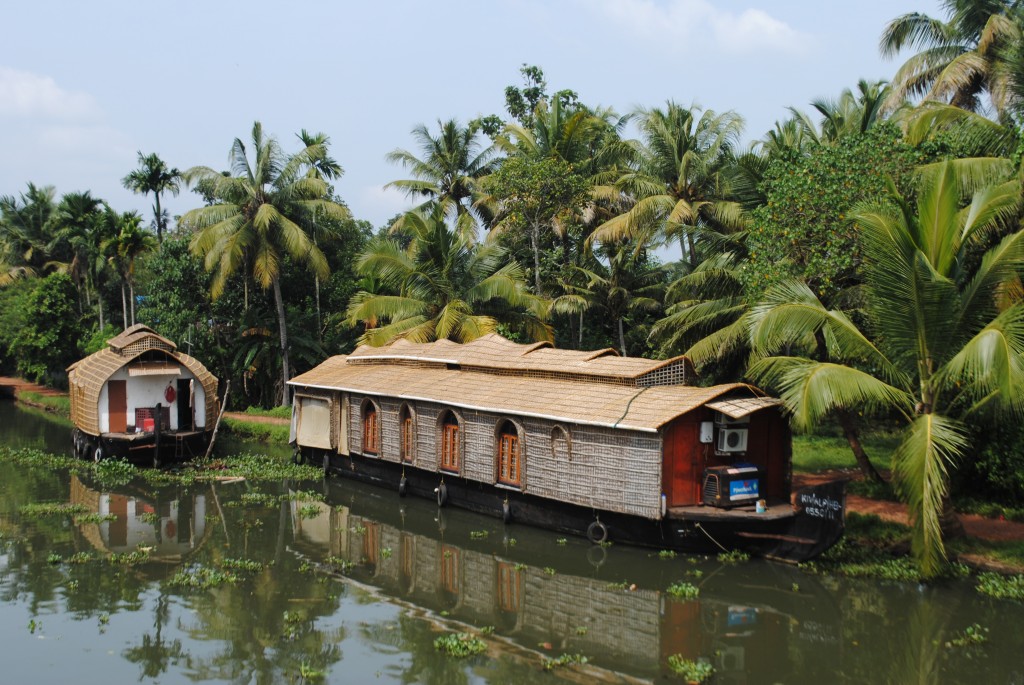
{"x": 607, "y": 469}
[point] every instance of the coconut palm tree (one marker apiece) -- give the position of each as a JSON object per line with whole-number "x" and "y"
{"x": 682, "y": 184}
{"x": 122, "y": 250}
{"x": 949, "y": 345}
{"x": 154, "y": 176}
{"x": 960, "y": 59}
{"x": 442, "y": 286}
{"x": 79, "y": 230}
{"x": 26, "y": 224}
{"x": 627, "y": 285}
{"x": 262, "y": 213}
{"x": 851, "y": 114}
{"x": 448, "y": 174}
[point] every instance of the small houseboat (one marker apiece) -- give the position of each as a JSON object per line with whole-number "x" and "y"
{"x": 616, "y": 448}
{"x": 142, "y": 399}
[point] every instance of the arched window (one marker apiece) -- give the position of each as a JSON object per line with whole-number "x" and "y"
{"x": 371, "y": 428}
{"x": 561, "y": 443}
{"x": 510, "y": 466}
{"x": 407, "y": 433}
{"x": 450, "y": 442}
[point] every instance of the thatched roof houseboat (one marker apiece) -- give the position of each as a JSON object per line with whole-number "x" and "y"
{"x": 141, "y": 397}
{"x": 585, "y": 442}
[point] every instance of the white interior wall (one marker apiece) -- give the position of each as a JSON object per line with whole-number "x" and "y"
{"x": 147, "y": 391}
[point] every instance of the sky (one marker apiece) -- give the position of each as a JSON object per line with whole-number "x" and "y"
{"x": 84, "y": 86}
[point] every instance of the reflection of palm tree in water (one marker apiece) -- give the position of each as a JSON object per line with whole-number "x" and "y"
{"x": 152, "y": 653}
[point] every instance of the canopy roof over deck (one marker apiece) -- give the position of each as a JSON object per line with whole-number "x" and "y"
{"x": 87, "y": 377}
{"x": 463, "y": 376}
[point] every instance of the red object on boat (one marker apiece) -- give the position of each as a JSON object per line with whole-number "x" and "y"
{"x": 148, "y": 425}
{"x": 170, "y": 394}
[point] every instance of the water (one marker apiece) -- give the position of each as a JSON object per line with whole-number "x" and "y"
{"x": 358, "y": 586}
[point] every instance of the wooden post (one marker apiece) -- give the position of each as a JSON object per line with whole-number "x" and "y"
{"x": 216, "y": 426}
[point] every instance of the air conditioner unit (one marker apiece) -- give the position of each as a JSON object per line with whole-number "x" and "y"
{"x": 723, "y": 420}
{"x": 731, "y": 440}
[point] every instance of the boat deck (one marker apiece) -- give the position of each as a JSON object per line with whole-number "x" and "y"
{"x": 776, "y": 509}
{"x": 135, "y": 437}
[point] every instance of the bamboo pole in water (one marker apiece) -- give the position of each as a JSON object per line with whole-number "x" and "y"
{"x": 216, "y": 427}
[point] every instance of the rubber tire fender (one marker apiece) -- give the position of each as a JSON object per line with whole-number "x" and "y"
{"x": 298, "y": 457}
{"x": 403, "y": 486}
{"x": 98, "y": 455}
{"x": 597, "y": 532}
{"x": 442, "y": 495}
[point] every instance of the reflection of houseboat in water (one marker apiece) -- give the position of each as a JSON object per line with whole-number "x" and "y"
{"x": 581, "y": 442}
{"x": 171, "y": 528}
{"x": 748, "y": 619}
{"x": 140, "y": 397}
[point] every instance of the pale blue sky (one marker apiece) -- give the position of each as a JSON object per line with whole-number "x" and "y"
{"x": 83, "y": 85}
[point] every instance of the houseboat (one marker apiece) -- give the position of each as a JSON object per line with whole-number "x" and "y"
{"x": 615, "y": 448}
{"x": 140, "y": 398}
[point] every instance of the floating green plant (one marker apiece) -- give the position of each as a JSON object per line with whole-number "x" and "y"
{"x": 93, "y": 518}
{"x": 563, "y": 661}
{"x": 478, "y": 534}
{"x": 459, "y": 645}
{"x": 202, "y": 578}
{"x": 735, "y": 556}
{"x": 683, "y": 590}
{"x": 1001, "y": 587}
{"x": 689, "y": 670}
{"x": 51, "y": 509}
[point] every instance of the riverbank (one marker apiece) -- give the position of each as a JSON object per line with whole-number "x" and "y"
{"x": 990, "y": 544}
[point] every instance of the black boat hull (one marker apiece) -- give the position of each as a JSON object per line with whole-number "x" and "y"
{"x": 795, "y": 535}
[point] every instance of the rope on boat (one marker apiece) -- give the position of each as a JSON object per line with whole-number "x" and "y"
{"x": 701, "y": 529}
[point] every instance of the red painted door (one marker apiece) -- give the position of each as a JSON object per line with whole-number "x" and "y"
{"x": 681, "y": 470}
{"x": 117, "y": 403}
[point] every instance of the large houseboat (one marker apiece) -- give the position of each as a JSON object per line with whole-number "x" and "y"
{"x": 141, "y": 398}
{"x": 615, "y": 448}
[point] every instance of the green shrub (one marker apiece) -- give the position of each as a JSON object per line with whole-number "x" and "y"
{"x": 689, "y": 670}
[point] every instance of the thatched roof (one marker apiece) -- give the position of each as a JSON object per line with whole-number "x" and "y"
{"x": 495, "y": 353}
{"x": 86, "y": 377}
{"x": 562, "y": 399}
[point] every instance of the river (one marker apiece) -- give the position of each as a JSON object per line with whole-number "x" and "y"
{"x": 337, "y": 582}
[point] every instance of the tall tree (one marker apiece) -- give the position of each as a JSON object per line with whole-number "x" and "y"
{"x": 154, "y": 176}
{"x": 442, "y": 286}
{"x": 263, "y": 213}
{"x": 79, "y": 232}
{"x": 682, "y": 183}
{"x": 26, "y": 225}
{"x": 448, "y": 173}
{"x": 122, "y": 250}
{"x": 960, "y": 59}
{"x": 949, "y": 346}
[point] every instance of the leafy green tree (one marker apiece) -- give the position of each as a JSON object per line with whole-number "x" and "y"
{"x": 154, "y": 176}
{"x": 960, "y": 59}
{"x": 263, "y": 213}
{"x": 804, "y": 229}
{"x": 522, "y": 103}
{"x": 682, "y": 184}
{"x": 47, "y": 342}
{"x": 536, "y": 195}
{"x": 171, "y": 278}
{"x": 448, "y": 173}
{"x": 442, "y": 286}
{"x": 948, "y": 347}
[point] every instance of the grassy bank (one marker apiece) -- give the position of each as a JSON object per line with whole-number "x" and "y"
{"x": 826, "y": 452}
{"x": 58, "y": 404}
{"x": 252, "y": 430}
